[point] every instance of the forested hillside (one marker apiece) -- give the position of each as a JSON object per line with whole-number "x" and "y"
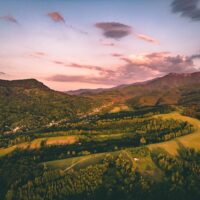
{"x": 101, "y": 145}
{"x": 28, "y": 104}
{"x": 112, "y": 178}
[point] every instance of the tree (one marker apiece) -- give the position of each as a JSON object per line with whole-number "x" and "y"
{"x": 142, "y": 141}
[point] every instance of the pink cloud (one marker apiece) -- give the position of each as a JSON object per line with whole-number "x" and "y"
{"x": 9, "y": 18}
{"x": 114, "y": 30}
{"x": 116, "y": 55}
{"x": 83, "y": 79}
{"x": 162, "y": 62}
{"x": 158, "y": 54}
{"x": 83, "y": 66}
{"x": 59, "y": 62}
{"x": 2, "y": 73}
{"x": 147, "y": 38}
{"x": 56, "y": 17}
{"x": 117, "y": 30}
{"x": 107, "y": 43}
{"x": 139, "y": 67}
{"x": 37, "y": 54}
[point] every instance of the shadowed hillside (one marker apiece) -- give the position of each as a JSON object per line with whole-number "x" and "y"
{"x": 28, "y": 104}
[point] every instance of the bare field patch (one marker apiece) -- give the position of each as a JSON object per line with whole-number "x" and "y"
{"x": 35, "y": 144}
{"x": 61, "y": 140}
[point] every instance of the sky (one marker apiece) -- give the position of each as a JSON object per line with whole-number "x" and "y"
{"x": 75, "y": 44}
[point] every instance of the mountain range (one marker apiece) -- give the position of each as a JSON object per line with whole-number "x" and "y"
{"x": 29, "y": 104}
{"x": 172, "y": 89}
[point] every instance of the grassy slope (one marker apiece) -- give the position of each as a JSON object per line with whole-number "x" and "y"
{"x": 191, "y": 140}
{"x": 142, "y": 163}
{"x": 79, "y": 162}
{"x": 37, "y": 143}
{"x": 56, "y": 140}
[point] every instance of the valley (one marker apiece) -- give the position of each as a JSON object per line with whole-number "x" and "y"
{"x": 133, "y": 141}
{"x": 123, "y": 129}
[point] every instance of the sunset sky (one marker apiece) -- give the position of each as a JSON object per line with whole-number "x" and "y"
{"x": 72, "y": 44}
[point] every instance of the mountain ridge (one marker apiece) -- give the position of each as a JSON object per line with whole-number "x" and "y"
{"x": 86, "y": 91}
{"x": 30, "y": 104}
{"x": 24, "y": 83}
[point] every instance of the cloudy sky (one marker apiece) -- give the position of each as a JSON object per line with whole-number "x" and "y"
{"x": 72, "y": 44}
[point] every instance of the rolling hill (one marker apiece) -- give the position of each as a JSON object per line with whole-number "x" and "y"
{"x": 29, "y": 104}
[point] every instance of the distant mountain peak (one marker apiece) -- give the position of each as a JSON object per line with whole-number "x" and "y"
{"x": 173, "y": 80}
{"x": 24, "y": 83}
{"x": 173, "y": 74}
